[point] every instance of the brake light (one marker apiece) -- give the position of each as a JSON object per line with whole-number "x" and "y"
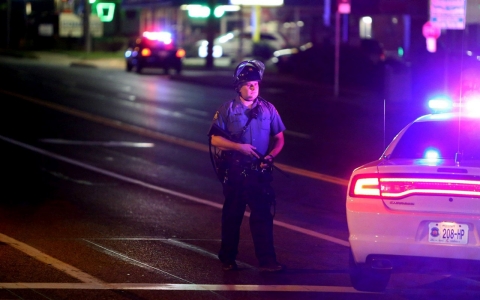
{"x": 180, "y": 53}
{"x": 366, "y": 187}
{"x": 402, "y": 187}
{"x": 390, "y": 187}
{"x": 146, "y": 52}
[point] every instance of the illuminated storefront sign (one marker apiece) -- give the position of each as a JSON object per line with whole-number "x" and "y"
{"x": 105, "y": 11}
{"x": 448, "y": 14}
{"x": 71, "y": 25}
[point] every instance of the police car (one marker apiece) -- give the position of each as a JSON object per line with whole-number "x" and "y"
{"x": 154, "y": 50}
{"x": 419, "y": 203}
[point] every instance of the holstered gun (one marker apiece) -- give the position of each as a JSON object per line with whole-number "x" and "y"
{"x": 226, "y": 163}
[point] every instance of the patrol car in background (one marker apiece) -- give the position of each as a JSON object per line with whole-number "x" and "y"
{"x": 419, "y": 203}
{"x": 154, "y": 50}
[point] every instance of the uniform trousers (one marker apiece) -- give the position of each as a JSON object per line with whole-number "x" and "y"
{"x": 259, "y": 196}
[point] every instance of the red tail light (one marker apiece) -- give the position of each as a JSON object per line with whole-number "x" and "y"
{"x": 401, "y": 187}
{"x": 146, "y": 52}
{"x": 366, "y": 187}
{"x": 180, "y": 53}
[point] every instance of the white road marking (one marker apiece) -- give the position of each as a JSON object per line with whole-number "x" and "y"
{"x": 164, "y": 190}
{"x": 47, "y": 259}
{"x": 94, "y": 283}
{"x": 196, "y": 112}
{"x": 134, "y": 261}
{"x": 202, "y": 251}
{"x": 98, "y": 143}
{"x": 182, "y": 287}
{"x": 298, "y": 134}
{"x": 163, "y": 137}
{"x": 174, "y": 242}
{"x": 312, "y": 233}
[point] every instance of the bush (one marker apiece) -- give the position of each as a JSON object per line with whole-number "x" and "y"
{"x": 110, "y": 44}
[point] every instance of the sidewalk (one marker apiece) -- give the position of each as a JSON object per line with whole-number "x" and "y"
{"x": 116, "y": 63}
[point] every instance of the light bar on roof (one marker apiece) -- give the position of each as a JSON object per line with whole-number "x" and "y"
{"x": 257, "y": 2}
{"x": 440, "y": 104}
{"x": 472, "y": 103}
{"x": 163, "y": 36}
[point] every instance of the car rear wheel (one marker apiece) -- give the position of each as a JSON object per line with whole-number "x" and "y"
{"x": 365, "y": 278}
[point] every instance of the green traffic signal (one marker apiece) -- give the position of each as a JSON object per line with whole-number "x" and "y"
{"x": 201, "y": 11}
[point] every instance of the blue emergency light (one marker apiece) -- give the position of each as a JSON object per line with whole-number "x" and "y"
{"x": 469, "y": 104}
{"x": 440, "y": 104}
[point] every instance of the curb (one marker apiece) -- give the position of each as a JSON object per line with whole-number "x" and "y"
{"x": 82, "y": 65}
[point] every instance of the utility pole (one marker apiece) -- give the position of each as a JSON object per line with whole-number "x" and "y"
{"x": 343, "y": 7}
{"x": 239, "y": 56}
{"x": 210, "y": 35}
{"x": 336, "y": 83}
{"x": 86, "y": 26}
{"x": 256, "y": 20}
{"x": 9, "y": 13}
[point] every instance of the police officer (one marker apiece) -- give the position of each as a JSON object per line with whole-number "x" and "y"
{"x": 257, "y": 138}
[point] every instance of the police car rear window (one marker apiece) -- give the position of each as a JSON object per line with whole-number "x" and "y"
{"x": 440, "y": 140}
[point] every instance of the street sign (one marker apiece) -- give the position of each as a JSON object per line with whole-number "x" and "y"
{"x": 431, "y": 33}
{"x": 448, "y": 14}
{"x": 71, "y": 25}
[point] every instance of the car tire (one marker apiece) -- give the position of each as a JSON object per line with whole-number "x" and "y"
{"x": 364, "y": 278}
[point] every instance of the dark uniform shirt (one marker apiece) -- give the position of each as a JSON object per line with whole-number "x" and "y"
{"x": 233, "y": 115}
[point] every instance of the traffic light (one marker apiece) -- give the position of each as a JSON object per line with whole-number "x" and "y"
{"x": 202, "y": 11}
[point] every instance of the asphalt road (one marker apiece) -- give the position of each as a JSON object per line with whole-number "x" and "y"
{"x": 107, "y": 195}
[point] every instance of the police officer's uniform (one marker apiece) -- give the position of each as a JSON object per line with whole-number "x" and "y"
{"x": 245, "y": 182}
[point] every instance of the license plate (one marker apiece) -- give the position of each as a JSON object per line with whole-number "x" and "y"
{"x": 447, "y": 233}
{"x": 162, "y": 54}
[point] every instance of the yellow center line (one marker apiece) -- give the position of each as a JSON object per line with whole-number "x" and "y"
{"x": 163, "y": 137}
{"x": 47, "y": 259}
